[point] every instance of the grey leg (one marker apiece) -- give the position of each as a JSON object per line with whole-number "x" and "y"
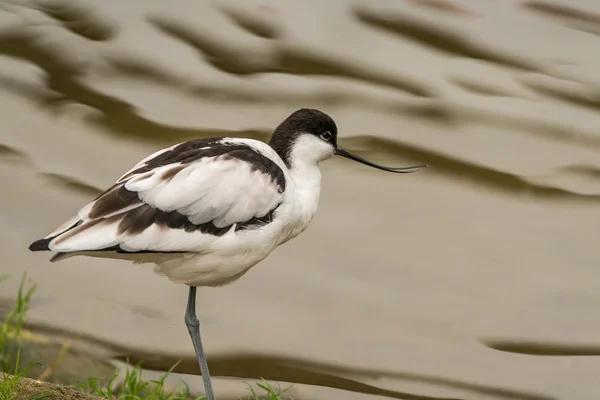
{"x": 193, "y": 326}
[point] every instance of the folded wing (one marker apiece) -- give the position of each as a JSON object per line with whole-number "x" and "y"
{"x": 178, "y": 199}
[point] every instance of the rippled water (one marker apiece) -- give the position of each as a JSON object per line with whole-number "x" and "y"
{"x": 474, "y": 279}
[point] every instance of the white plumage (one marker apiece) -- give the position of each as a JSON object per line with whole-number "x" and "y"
{"x": 223, "y": 190}
{"x": 206, "y": 211}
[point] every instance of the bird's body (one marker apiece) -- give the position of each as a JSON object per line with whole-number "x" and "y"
{"x": 203, "y": 211}
{"x": 207, "y": 210}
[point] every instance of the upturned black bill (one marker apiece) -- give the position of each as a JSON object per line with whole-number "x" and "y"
{"x": 341, "y": 152}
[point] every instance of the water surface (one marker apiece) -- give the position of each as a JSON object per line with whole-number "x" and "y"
{"x": 475, "y": 279}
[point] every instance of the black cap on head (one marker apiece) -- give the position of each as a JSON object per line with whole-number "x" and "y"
{"x": 315, "y": 122}
{"x": 304, "y": 120}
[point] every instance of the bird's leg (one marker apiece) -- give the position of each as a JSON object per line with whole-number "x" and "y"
{"x": 193, "y": 326}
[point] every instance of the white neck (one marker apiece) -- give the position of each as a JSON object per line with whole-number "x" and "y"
{"x": 307, "y": 179}
{"x": 307, "y": 152}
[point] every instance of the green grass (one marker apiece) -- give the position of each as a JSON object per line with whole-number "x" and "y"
{"x": 136, "y": 388}
{"x": 12, "y": 325}
{"x": 11, "y": 328}
{"x": 270, "y": 392}
{"x": 133, "y": 387}
{"x": 10, "y": 388}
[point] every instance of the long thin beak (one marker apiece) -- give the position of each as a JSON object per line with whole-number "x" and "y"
{"x": 341, "y": 152}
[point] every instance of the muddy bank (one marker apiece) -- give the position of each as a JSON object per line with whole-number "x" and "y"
{"x": 30, "y": 388}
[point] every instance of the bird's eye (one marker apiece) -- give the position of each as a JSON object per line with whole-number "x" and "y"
{"x": 326, "y": 136}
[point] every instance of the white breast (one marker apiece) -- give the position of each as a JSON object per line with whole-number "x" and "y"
{"x": 234, "y": 254}
{"x": 303, "y": 181}
{"x": 304, "y": 178}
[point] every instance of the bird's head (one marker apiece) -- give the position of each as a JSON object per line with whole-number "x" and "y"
{"x": 310, "y": 136}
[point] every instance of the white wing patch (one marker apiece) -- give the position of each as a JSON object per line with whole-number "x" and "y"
{"x": 213, "y": 189}
{"x": 179, "y": 206}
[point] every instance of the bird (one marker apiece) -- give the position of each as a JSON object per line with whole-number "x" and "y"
{"x": 205, "y": 211}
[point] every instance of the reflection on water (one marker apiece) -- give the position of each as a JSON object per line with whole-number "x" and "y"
{"x": 291, "y": 369}
{"x": 121, "y": 118}
{"x": 437, "y": 82}
{"x": 543, "y": 348}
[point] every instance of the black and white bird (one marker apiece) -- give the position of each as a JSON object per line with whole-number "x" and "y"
{"x": 205, "y": 211}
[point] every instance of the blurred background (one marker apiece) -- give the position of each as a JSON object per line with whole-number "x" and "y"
{"x": 476, "y": 278}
